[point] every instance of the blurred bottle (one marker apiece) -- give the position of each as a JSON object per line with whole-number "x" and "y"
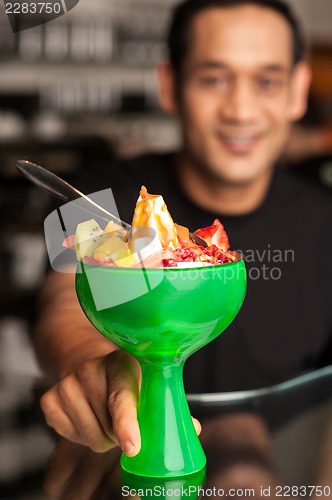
{"x": 31, "y": 44}
{"x": 56, "y": 41}
{"x": 81, "y": 41}
{"x": 103, "y": 41}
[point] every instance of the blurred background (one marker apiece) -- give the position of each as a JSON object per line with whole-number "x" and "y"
{"x": 83, "y": 86}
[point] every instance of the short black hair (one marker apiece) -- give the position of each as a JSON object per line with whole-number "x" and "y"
{"x": 183, "y": 14}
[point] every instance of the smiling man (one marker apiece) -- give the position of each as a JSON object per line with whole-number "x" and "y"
{"x": 237, "y": 79}
{"x": 238, "y": 87}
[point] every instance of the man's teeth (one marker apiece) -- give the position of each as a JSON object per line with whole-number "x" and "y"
{"x": 239, "y": 138}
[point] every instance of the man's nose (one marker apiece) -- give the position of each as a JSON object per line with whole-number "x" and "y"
{"x": 240, "y": 104}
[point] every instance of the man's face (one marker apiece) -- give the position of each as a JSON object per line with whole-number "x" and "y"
{"x": 236, "y": 98}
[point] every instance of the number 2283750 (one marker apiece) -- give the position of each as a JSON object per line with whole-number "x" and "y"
{"x": 33, "y": 8}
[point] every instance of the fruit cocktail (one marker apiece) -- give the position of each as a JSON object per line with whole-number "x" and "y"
{"x": 161, "y": 315}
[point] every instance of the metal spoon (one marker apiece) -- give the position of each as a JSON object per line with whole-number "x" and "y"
{"x": 56, "y": 186}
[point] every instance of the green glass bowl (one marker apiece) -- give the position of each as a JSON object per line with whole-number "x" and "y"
{"x": 162, "y": 316}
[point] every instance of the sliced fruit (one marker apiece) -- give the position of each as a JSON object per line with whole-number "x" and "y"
{"x": 232, "y": 256}
{"x": 182, "y": 232}
{"x": 214, "y": 235}
{"x": 113, "y": 228}
{"x": 191, "y": 253}
{"x": 153, "y": 241}
{"x": 216, "y": 253}
{"x": 169, "y": 263}
{"x": 94, "y": 262}
{"x": 88, "y": 237}
{"x": 126, "y": 261}
{"x": 114, "y": 249}
{"x": 69, "y": 242}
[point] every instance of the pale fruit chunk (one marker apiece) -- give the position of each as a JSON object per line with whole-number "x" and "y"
{"x": 114, "y": 249}
{"x": 116, "y": 229}
{"x": 88, "y": 237}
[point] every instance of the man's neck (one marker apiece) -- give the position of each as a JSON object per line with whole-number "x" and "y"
{"x": 221, "y": 197}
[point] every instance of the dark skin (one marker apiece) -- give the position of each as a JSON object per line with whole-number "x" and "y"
{"x": 236, "y": 103}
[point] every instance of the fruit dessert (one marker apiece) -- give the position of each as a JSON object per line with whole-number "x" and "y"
{"x": 154, "y": 240}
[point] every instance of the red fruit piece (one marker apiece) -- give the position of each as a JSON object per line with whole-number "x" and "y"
{"x": 95, "y": 262}
{"x": 217, "y": 254}
{"x": 233, "y": 256}
{"x": 69, "y": 242}
{"x": 214, "y": 235}
{"x": 187, "y": 254}
{"x": 91, "y": 260}
{"x": 169, "y": 263}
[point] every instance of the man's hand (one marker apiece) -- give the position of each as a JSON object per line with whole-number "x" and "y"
{"x": 96, "y": 405}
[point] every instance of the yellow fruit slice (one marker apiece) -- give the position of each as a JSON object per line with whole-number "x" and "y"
{"x": 114, "y": 249}
{"x": 116, "y": 229}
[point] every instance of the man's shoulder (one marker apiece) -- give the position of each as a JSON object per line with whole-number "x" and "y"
{"x": 307, "y": 195}
{"x": 308, "y": 206}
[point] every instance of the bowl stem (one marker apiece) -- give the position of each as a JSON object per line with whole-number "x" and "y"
{"x": 170, "y": 446}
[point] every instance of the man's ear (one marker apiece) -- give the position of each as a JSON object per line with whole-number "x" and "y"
{"x": 166, "y": 88}
{"x": 300, "y": 85}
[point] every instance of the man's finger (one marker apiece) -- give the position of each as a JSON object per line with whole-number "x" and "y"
{"x": 197, "y": 425}
{"x": 57, "y": 418}
{"x": 123, "y": 376}
{"x": 92, "y": 377}
{"x": 76, "y": 406}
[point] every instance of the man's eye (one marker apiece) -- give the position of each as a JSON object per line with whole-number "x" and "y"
{"x": 213, "y": 81}
{"x": 269, "y": 83}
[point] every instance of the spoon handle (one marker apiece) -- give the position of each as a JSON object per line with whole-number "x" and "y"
{"x": 56, "y": 186}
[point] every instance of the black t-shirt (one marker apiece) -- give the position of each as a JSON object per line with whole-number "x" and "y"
{"x": 285, "y": 325}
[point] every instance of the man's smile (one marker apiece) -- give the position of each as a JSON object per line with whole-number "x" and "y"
{"x": 238, "y": 142}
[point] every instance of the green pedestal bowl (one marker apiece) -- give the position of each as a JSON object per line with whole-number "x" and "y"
{"x": 162, "y": 316}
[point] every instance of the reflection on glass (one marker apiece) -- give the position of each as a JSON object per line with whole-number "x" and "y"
{"x": 242, "y": 463}
{"x": 76, "y": 472}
